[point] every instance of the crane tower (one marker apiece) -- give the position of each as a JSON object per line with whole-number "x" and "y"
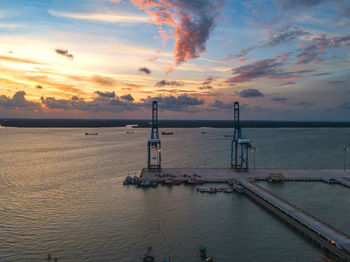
{"x": 240, "y": 146}
{"x": 154, "y": 147}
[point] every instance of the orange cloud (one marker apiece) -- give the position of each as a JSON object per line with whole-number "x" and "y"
{"x": 18, "y": 60}
{"x": 152, "y": 59}
{"x": 191, "y": 23}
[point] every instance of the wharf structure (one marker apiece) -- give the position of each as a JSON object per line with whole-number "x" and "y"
{"x": 243, "y": 180}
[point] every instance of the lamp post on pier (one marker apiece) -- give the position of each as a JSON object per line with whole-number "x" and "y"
{"x": 346, "y": 149}
{"x": 253, "y": 149}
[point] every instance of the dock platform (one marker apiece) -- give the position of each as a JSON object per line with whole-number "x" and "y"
{"x": 329, "y": 238}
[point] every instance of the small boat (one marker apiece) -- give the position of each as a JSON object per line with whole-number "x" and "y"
{"x": 203, "y": 133}
{"x": 91, "y": 134}
{"x": 212, "y": 190}
{"x": 127, "y": 180}
{"x": 167, "y": 133}
{"x": 129, "y": 132}
{"x": 228, "y": 190}
{"x": 220, "y": 189}
{"x": 171, "y": 182}
{"x": 201, "y": 189}
{"x": 147, "y": 183}
{"x": 228, "y": 135}
{"x": 131, "y": 180}
{"x": 194, "y": 182}
{"x": 148, "y": 256}
{"x": 202, "y": 251}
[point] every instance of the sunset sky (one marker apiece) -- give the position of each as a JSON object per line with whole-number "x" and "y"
{"x": 281, "y": 59}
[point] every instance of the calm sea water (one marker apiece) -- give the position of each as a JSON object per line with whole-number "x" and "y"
{"x": 61, "y": 192}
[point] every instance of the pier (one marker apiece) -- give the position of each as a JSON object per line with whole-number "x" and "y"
{"x": 327, "y": 237}
{"x": 243, "y": 180}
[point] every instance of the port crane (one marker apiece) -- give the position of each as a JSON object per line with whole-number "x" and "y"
{"x": 154, "y": 151}
{"x": 240, "y": 146}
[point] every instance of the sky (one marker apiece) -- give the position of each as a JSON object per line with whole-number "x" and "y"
{"x": 281, "y": 59}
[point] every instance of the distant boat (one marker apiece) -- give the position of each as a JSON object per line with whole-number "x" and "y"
{"x": 202, "y": 251}
{"x": 201, "y": 189}
{"x": 194, "y": 182}
{"x": 171, "y": 182}
{"x": 228, "y": 135}
{"x": 129, "y": 132}
{"x": 91, "y": 134}
{"x": 148, "y": 256}
{"x": 203, "y": 132}
{"x": 167, "y": 133}
{"x": 147, "y": 183}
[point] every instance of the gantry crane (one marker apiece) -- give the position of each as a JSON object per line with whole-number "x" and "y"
{"x": 154, "y": 147}
{"x": 240, "y": 146}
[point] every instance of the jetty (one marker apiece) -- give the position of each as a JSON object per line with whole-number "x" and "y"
{"x": 244, "y": 180}
{"x": 332, "y": 240}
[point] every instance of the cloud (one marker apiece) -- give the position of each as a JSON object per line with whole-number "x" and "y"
{"x": 309, "y": 54}
{"x": 191, "y": 23}
{"x": 169, "y": 83}
{"x": 242, "y": 56}
{"x": 64, "y": 53}
{"x": 313, "y": 51}
{"x": 39, "y": 87}
{"x": 287, "y": 83}
{"x": 305, "y": 103}
{"x": 323, "y": 41}
{"x": 345, "y": 105}
{"x": 222, "y": 105}
{"x": 281, "y": 99}
{"x": 99, "y": 104}
{"x": 181, "y": 103}
{"x": 299, "y": 4}
{"x": 145, "y": 70}
{"x": 322, "y": 74}
{"x": 18, "y": 60}
{"x": 101, "y": 17}
{"x": 251, "y": 92}
{"x": 261, "y": 68}
{"x": 106, "y": 94}
{"x": 208, "y": 80}
{"x": 103, "y": 80}
{"x": 154, "y": 58}
{"x": 127, "y": 97}
{"x": 269, "y": 68}
{"x": 205, "y": 87}
{"x": 335, "y": 82}
{"x": 285, "y": 35}
{"x": 18, "y": 101}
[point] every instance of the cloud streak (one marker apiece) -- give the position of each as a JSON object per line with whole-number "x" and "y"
{"x": 64, "y": 53}
{"x": 250, "y": 92}
{"x": 106, "y": 94}
{"x": 101, "y": 17}
{"x": 168, "y": 83}
{"x": 299, "y": 4}
{"x": 267, "y": 68}
{"x": 145, "y": 70}
{"x": 18, "y": 60}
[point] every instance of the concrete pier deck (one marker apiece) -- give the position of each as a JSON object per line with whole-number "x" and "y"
{"x": 325, "y": 235}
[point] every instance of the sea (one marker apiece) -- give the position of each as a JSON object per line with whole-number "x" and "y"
{"x": 62, "y": 193}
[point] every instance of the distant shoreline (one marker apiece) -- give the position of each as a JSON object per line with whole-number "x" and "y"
{"x": 96, "y": 123}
